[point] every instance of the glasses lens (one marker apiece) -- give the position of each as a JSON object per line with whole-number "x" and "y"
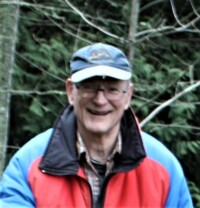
{"x": 90, "y": 91}
{"x": 85, "y": 91}
{"x": 113, "y": 94}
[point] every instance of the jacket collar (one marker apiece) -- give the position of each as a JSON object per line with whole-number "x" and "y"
{"x": 61, "y": 157}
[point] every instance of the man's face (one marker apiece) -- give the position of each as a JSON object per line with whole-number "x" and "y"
{"x": 99, "y": 103}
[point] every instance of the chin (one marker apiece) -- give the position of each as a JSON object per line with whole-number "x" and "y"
{"x": 96, "y": 130}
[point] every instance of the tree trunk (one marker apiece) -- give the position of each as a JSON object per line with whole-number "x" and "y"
{"x": 133, "y": 28}
{"x": 9, "y": 15}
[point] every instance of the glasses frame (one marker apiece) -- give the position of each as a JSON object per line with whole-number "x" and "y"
{"x": 109, "y": 94}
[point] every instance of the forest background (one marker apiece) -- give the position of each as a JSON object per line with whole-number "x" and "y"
{"x": 161, "y": 39}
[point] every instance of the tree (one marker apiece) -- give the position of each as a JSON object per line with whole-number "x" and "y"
{"x": 134, "y": 15}
{"x": 9, "y": 15}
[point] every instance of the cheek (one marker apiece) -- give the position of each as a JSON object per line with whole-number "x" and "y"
{"x": 126, "y": 105}
{"x": 78, "y": 104}
{"x": 123, "y": 104}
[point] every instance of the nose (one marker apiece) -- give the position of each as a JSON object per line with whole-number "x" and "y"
{"x": 100, "y": 97}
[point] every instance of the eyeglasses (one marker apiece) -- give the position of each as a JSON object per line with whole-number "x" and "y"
{"x": 91, "y": 90}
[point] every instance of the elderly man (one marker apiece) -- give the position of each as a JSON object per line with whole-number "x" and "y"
{"x": 95, "y": 155}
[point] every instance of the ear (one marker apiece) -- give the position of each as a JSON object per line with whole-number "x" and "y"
{"x": 69, "y": 91}
{"x": 129, "y": 96}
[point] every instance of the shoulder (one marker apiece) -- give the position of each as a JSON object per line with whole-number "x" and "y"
{"x": 14, "y": 181}
{"x": 33, "y": 149}
{"x": 159, "y": 152}
{"x": 179, "y": 195}
{"x": 37, "y": 144}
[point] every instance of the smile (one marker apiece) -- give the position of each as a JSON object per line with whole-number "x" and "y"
{"x": 99, "y": 113}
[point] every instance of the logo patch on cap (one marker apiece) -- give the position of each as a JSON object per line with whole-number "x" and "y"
{"x": 99, "y": 55}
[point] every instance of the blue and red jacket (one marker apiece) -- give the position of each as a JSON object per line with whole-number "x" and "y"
{"x": 45, "y": 172}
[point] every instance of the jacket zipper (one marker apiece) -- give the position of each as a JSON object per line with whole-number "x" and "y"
{"x": 101, "y": 199}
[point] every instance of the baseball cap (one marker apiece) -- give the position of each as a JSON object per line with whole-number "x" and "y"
{"x": 99, "y": 59}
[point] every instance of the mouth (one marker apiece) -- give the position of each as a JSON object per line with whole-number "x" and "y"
{"x": 99, "y": 113}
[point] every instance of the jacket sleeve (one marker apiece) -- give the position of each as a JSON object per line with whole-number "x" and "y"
{"x": 14, "y": 187}
{"x": 179, "y": 195}
{"x": 15, "y": 190}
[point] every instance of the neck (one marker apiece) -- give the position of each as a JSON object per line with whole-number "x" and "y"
{"x": 99, "y": 146}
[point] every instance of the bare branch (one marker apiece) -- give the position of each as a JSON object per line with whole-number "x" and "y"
{"x": 191, "y": 23}
{"x": 175, "y": 14}
{"x": 33, "y": 5}
{"x": 64, "y": 30}
{"x": 194, "y": 9}
{"x": 150, "y": 4}
{"x": 10, "y": 147}
{"x": 170, "y": 29}
{"x": 169, "y": 102}
{"x": 92, "y": 24}
{"x": 173, "y": 125}
{"x": 30, "y": 92}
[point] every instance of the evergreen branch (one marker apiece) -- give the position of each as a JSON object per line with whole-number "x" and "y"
{"x": 41, "y": 10}
{"x": 67, "y": 31}
{"x": 39, "y": 68}
{"x": 168, "y": 102}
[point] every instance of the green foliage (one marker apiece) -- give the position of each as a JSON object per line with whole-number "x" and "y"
{"x": 183, "y": 148}
{"x": 195, "y": 191}
{"x": 36, "y": 108}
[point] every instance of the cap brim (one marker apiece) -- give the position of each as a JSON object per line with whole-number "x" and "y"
{"x": 100, "y": 71}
